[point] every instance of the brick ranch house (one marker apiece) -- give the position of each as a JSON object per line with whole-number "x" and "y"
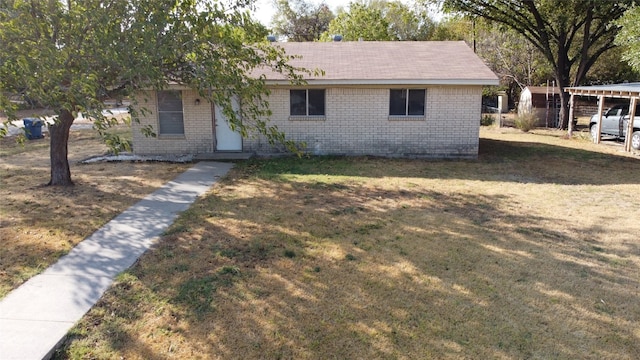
{"x": 395, "y": 99}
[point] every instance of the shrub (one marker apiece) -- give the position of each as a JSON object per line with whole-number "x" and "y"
{"x": 526, "y": 121}
{"x": 487, "y": 120}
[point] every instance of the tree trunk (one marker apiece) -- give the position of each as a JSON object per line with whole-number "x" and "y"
{"x": 563, "y": 82}
{"x": 59, "y": 134}
{"x": 563, "y": 74}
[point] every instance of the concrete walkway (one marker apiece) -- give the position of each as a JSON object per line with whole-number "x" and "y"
{"x": 35, "y": 317}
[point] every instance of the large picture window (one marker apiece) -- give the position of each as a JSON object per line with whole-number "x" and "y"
{"x": 170, "y": 116}
{"x": 307, "y": 102}
{"x": 407, "y": 102}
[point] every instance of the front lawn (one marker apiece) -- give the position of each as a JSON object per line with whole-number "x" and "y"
{"x": 533, "y": 251}
{"x": 38, "y": 223}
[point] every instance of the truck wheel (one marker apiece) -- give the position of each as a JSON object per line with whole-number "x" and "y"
{"x": 594, "y": 132}
{"x": 635, "y": 140}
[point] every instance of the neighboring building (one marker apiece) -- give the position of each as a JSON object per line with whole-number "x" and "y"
{"x": 398, "y": 99}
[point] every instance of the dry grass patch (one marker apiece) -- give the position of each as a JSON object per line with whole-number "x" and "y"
{"x": 530, "y": 252}
{"x": 38, "y": 224}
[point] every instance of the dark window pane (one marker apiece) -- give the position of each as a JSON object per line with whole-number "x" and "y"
{"x": 298, "y": 102}
{"x": 316, "y": 102}
{"x": 416, "y": 102}
{"x": 613, "y": 112}
{"x": 398, "y": 102}
{"x": 170, "y": 118}
{"x": 171, "y": 123}
{"x": 169, "y": 101}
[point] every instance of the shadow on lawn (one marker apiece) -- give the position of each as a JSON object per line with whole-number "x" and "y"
{"x": 518, "y": 162}
{"x": 54, "y": 219}
{"x": 336, "y": 270}
{"x": 43, "y": 223}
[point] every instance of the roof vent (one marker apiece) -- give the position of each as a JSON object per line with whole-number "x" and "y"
{"x": 337, "y": 38}
{"x": 271, "y": 38}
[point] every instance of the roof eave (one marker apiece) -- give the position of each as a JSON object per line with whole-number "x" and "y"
{"x": 390, "y": 82}
{"x": 625, "y": 94}
{"x": 624, "y": 90}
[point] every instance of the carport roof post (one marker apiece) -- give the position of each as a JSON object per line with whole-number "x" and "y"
{"x": 629, "y": 91}
{"x": 632, "y": 116}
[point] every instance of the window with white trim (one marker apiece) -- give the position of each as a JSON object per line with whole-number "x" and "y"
{"x": 308, "y": 102}
{"x": 170, "y": 114}
{"x": 407, "y": 102}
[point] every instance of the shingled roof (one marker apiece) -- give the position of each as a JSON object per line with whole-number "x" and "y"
{"x": 389, "y": 62}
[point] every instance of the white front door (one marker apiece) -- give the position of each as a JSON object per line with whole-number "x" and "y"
{"x": 226, "y": 139}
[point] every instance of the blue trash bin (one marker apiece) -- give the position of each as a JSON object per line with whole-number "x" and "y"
{"x": 33, "y": 128}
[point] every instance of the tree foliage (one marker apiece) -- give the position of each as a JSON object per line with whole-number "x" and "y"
{"x": 380, "y": 20}
{"x": 570, "y": 34}
{"x": 70, "y": 56}
{"x": 515, "y": 60}
{"x": 453, "y": 28}
{"x": 507, "y": 53}
{"x": 629, "y": 37}
{"x": 610, "y": 68}
{"x": 298, "y": 20}
{"x": 359, "y": 22}
{"x": 404, "y": 23}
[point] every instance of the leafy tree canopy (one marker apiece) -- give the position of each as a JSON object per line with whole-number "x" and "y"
{"x": 69, "y": 56}
{"x": 405, "y": 23}
{"x": 570, "y": 34}
{"x": 453, "y": 28}
{"x": 515, "y": 60}
{"x": 360, "y": 22}
{"x": 629, "y": 37}
{"x": 298, "y": 20}
{"x": 610, "y": 68}
{"x": 380, "y": 20}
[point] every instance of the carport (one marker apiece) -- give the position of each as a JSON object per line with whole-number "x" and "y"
{"x": 629, "y": 91}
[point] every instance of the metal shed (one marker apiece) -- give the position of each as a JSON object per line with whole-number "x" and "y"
{"x": 629, "y": 91}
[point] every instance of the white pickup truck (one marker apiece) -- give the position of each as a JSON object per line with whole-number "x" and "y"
{"x": 614, "y": 123}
